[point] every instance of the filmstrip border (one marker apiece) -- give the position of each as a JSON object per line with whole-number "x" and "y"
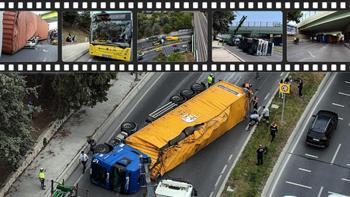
{"x": 176, "y": 67}
{"x": 176, "y": 5}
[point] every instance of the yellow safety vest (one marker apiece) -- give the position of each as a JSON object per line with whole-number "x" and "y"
{"x": 210, "y": 79}
{"x": 41, "y": 175}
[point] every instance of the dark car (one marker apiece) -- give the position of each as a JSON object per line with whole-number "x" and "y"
{"x": 322, "y": 127}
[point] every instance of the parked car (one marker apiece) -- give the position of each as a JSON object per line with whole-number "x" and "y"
{"x": 323, "y": 125}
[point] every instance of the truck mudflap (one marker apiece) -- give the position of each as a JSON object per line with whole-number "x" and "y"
{"x": 179, "y": 134}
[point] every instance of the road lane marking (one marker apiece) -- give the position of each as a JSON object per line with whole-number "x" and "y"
{"x": 217, "y": 181}
{"x": 311, "y": 54}
{"x": 267, "y": 95}
{"x": 238, "y": 80}
{"x": 303, "y": 169}
{"x": 348, "y": 82}
{"x": 281, "y": 74}
{"x": 211, "y": 194}
{"x": 300, "y": 185}
{"x": 340, "y": 118}
{"x": 320, "y": 192}
{"x": 336, "y": 104}
{"x": 309, "y": 155}
{"x": 344, "y": 94}
{"x": 344, "y": 179}
{"x": 341, "y": 195}
{"x": 348, "y": 164}
{"x": 335, "y": 154}
{"x": 230, "y": 157}
{"x": 223, "y": 170}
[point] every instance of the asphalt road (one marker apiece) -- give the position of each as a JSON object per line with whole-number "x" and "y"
{"x": 310, "y": 171}
{"x": 150, "y": 55}
{"x": 200, "y": 25}
{"x": 317, "y": 52}
{"x": 276, "y": 56}
{"x": 43, "y": 52}
{"x": 207, "y": 169}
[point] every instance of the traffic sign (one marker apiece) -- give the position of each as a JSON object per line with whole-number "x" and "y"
{"x": 285, "y": 88}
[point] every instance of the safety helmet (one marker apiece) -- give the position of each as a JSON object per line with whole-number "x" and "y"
{"x": 41, "y": 169}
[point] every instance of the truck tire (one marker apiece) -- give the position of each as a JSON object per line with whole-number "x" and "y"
{"x": 187, "y": 93}
{"x": 102, "y": 148}
{"x": 177, "y": 99}
{"x": 128, "y": 127}
{"x": 198, "y": 87}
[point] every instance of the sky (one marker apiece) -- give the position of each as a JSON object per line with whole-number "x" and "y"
{"x": 259, "y": 16}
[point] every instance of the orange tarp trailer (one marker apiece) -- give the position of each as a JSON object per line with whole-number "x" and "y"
{"x": 179, "y": 134}
{"x": 19, "y": 27}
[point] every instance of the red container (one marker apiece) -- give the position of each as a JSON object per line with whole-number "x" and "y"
{"x": 19, "y": 27}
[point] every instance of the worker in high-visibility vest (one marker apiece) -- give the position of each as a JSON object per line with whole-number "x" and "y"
{"x": 211, "y": 79}
{"x": 41, "y": 177}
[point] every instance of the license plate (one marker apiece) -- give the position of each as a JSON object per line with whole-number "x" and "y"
{"x": 317, "y": 140}
{"x": 108, "y": 56}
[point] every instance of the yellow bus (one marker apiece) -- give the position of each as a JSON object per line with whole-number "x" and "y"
{"x": 111, "y": 35}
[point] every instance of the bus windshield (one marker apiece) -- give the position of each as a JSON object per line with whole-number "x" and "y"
{"x": 112, "y": 29}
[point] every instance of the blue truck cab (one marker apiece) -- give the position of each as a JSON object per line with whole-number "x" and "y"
{"x": 118, "y": 170}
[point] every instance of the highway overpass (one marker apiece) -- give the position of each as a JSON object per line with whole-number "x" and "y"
{"x": 252, "y": 31}
{"x": 325, "y": 22}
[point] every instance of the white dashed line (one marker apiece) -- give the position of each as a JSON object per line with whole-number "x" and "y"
{"x": 340, "y": 118}
{"x": 238, "y": 80}
{"x": 223, "y": 170}
{"x": 348, "y": 82}
{"x": 311, "y": 54}
{"x": 320, "y": 192}
{"x": 348, "y": 164}
{"x": 89, "y": 60}
{"x": 300, "y": 185}
{"x": 211, "y": 194}
{"x": 230, "y": 157}
{"x": 344, "y": 94}
{"x": 336, "y": 104}
{"x": 335, "y": 154}
{"x": 281, "y": 74}
{"x": 309, "y": 155}
{"x": 267, "y": 95}
{"x": 217, "y": 181}
{"x": 344, "y": 179}
{"x": 303, "y": 169}
{"x": 338, "y": 194}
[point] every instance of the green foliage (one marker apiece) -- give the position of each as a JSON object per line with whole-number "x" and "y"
{"x": 15, "y": 118}
{"x": 71, "y": 91}
{"x": 80, "y": 20}
{"x": 294, "y": 16}
{"x": 222, "y": 20}
{"x": 156, "y": 23}
{"x": 70, "y": 16}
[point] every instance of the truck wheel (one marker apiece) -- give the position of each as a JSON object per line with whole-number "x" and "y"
{"x": 177, "y": 99}
{"x": 198, "y": 87}
{"x": 187, "y": 93}
{"x": 128, "y": 127}
{"x": 102, "y": 148}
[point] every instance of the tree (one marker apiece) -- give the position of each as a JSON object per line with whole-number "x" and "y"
{"x": 70, "y": 17}
{"x": 84, "y": 21}
{"x": 294, "y": 16}
{"x": 15, "y": 118}
{"x": 72, "y": 91}
{"x": 222, "y": 21}
{"x": 167, "y": 28}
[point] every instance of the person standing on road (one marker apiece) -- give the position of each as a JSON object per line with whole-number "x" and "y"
{"x": 255, "y": 103}
{"x": 300, "y": 87}
{"x": 92, "y": 144}
{"x": 41, "y": 177}
{"x": 266, "y": 115}
{"x": 260, "y": 155}
{"x": 280, "y": 94}
{"x": 83, "y": 159}
{"x": 211, "y": 80}
{"x": 273, "y": 131}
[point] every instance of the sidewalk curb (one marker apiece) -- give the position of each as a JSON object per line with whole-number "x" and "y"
{"x": 100, "y": 130}
{"x": 240, "y": 59}
{"x": 34, "y": 152}
{"x": 222, "y": 187}
{"x": 283, "y": 154}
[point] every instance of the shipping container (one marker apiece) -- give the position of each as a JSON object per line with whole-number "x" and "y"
{"x": 19, "y": 27}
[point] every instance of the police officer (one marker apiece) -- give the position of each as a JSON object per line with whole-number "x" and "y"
{"x": 273, "y": 130}
{"x": 41, "y": 177}
{"x": 211, "y": 79}
{"x": 260, "y": 154}
{"x": 83, "y": 159}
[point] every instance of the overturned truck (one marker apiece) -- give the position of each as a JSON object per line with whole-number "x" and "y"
{"x": 175, "y": 132}
{"x": 19, "y": 27}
